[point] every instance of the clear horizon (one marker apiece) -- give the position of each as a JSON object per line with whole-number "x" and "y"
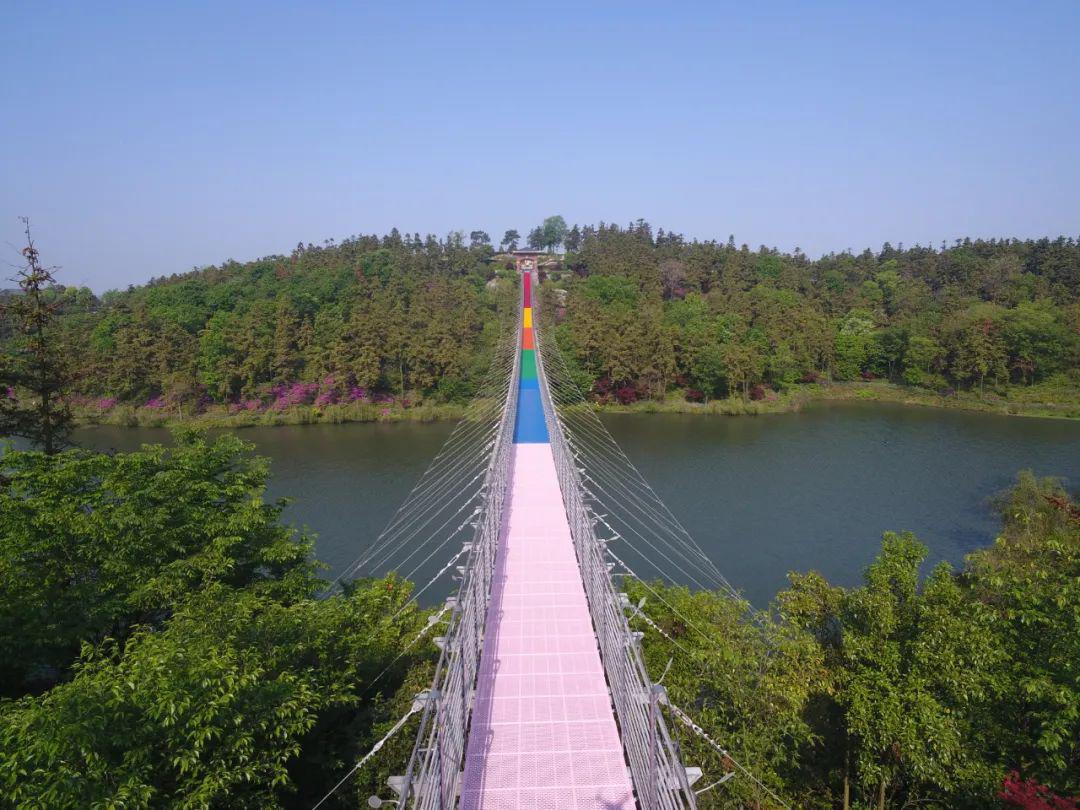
{"x": 146, "y": 142}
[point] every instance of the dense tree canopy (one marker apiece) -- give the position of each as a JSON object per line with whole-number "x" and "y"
{"x": 648, "y": 313}
{"x": 642, "y": 315}
{"x": 902, "y": 692}
{"x": 162, "y": 646}
{"x": 366, "y": 320}
{"x": 93, "y": 545}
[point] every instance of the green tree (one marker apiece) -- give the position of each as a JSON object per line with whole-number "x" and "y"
{"x": 1036, "y": 339}
{"x": 34, "y": 372}
{"x": 218, "y": 363}
{"x": 92, "y": 545}
{"x": 910, "y": 667}
{"x": 573, "y": 240}
{"x": 921, "y": 359}
{"x": 510, "y": 239}
{"x": 1029, "y": 581}
{"x": 743, "y": 366}
{"x": 240, "y": 700}
{"x": 162, "y": 618}
{"x": 553, "y": 232}
{"x": 286, "y": 362}
{"x": 749, "y": 683}
{"x": 854, "y": 344}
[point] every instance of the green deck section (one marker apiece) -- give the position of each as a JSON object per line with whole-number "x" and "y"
{"x": 528, "y": 364}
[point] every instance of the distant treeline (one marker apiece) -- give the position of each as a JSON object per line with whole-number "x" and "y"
{"x": 642, "y": 315}
{"x": 370, "y": 318}
{"x": 649, "y": 312}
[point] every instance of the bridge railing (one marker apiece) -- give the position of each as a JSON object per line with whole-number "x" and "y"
{"x": 660, "y": 780}
{"x": 431, "y": 780}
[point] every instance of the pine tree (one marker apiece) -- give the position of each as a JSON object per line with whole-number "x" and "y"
{"x": 34, "y": 372}
{"x": 286, "y": 361}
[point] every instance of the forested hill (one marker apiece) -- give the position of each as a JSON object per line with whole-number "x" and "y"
{"x": 647, "y": 313}
{"x": 643, "y": 315}
{"x": 372, "y": 318}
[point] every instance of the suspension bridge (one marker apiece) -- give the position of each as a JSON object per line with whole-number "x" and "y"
{"x": 541, "y": 697}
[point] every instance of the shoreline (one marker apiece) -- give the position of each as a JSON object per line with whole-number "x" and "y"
{"x": 127, "y": 416}
{"x": 795, "y": 400}
{"x": 791, "y": 401}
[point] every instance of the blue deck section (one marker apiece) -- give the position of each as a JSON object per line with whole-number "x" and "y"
{"x": 529, "y": 424}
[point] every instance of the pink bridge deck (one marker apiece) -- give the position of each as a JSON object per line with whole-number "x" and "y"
{"x": 543, "y": 730}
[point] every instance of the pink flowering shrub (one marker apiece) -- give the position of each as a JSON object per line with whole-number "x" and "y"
{"x": 330, "y": 390}
{"x": 1031, "y": 795}
{"x": 106, "y": 403}
{"x": 287, "y": 395}
{"x": 328, "y": 393}
{"x": 155, "y": 403}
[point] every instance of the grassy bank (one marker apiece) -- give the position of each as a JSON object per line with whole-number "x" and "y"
{"x": 128, "y": 416}
{"x": 1036, "y": 401}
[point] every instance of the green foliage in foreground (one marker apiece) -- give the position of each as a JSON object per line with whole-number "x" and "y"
{"x": 218, "y": 708}
{"x": 901, "y": 693}
{"x": 93, "y": 545}
{"x": 162, "y": 646}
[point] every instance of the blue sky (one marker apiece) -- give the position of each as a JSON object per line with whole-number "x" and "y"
{"x": 147, "y": 138}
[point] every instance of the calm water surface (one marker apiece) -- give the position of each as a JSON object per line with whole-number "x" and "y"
{"x": 815, "y": 490}
{"x": 762, "y": 495}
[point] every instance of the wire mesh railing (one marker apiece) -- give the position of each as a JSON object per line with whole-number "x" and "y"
{"x": 431, "y": 780}
{"x": 660, "y": 780}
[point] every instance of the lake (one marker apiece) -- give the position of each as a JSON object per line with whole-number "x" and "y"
{"x": 762, "y": 495}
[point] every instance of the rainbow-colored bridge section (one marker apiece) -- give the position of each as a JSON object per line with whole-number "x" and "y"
{"x": 529, "y": 424}
{"x": 543, "y": 731}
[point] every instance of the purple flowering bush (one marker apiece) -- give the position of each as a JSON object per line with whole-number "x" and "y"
{"x": 328, "y": 393}
{"x": 287, "y": 395}
{"x": 246, "y": 406}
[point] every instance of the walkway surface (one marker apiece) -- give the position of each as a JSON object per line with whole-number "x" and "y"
{"x": 543, "y": 730}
